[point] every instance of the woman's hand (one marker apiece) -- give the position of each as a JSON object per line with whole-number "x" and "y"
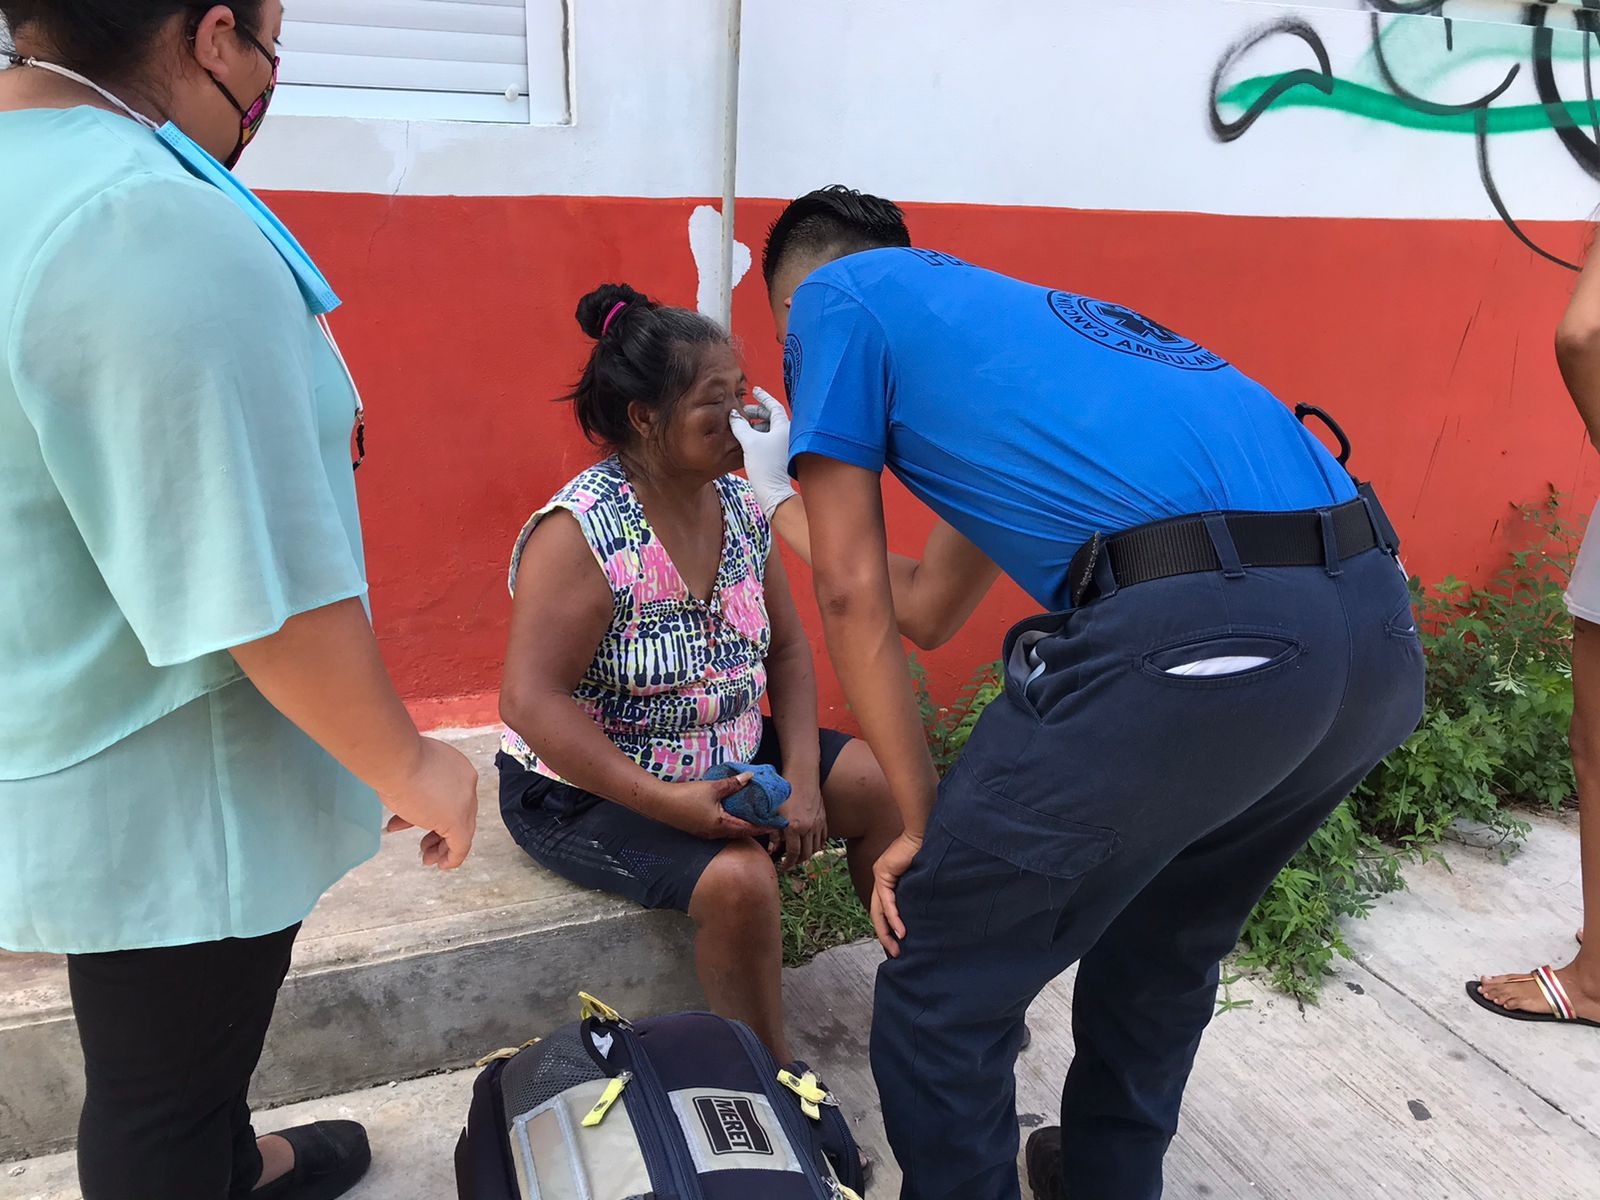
{"x": 697, "y": 808}
{"x": 886, "y": 872}
{"x": 439, "y": 794}
{"x": 766, "y": 451}
{"x": 807, "y": 831}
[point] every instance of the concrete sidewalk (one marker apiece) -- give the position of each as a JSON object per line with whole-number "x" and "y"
{"x": 400, "y": 971}
{"x": 1395, "y": 1085}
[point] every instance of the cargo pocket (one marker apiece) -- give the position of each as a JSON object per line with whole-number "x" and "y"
{"x": 1224, "y": 658}
{"x": 997, "y": 868}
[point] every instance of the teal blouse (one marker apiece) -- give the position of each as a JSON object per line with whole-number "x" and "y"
{"x": 174, "y": 480}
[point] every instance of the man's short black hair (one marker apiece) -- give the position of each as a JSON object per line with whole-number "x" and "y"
{"x": 833, "y": 220}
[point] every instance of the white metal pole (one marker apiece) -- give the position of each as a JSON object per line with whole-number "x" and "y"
{"x": 730, "y": 157}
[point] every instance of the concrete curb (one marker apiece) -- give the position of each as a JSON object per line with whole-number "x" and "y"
{"x": 399, "y": 973}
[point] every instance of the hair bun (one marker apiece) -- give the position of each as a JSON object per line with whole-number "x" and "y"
{"x": 594, "y": 308}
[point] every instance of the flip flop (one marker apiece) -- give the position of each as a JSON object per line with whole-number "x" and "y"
{"x": 1561, "y": 1010}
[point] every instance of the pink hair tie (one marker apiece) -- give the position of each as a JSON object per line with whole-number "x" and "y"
{"x": 615, "y": 309}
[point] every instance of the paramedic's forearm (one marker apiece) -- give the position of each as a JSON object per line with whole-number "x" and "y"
{"x": 870, "y": 661}
{"x": 789, "y": 522}
{"x": 853, "y": 590}
{"x": 933, "y": 595}
{"x": 792, "y": 692}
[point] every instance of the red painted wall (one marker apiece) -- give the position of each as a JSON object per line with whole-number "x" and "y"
{"x": 1430, "y": 341}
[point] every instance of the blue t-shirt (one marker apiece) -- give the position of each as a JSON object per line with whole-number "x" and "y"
{"x": 1031, "y": 419}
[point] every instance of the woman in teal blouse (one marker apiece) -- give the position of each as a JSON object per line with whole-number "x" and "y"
{"x": 195, "y": 724}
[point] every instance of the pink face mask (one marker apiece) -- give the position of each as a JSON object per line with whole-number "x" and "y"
{"x": 250, "y": 118}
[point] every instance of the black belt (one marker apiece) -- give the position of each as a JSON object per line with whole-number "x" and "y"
{"x": 1183, "y": 545}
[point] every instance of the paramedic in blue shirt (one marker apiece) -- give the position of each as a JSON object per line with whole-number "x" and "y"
{"x": 195, "y": 722}
{"x": 1226, "y": 649}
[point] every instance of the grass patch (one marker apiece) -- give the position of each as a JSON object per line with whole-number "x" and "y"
{"x": 820, "y": 909}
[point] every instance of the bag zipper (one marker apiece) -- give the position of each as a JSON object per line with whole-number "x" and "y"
{"x": 659, "y": 1118}
{"x": 830, "y": 1121}
{"x": 831, "y": 1115}
{"x": 788, "y": 1112}
{"x": 497, "y": 1109}
{"x": 608, "y": 1097}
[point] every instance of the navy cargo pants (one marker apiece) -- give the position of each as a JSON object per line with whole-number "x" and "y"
{"x": 1112, "y": 812}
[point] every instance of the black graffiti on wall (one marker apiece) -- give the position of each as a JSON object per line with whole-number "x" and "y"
{"x": 1576, "y": 122}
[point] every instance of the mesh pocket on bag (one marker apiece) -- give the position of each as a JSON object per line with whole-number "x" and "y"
{"x": 542, "y": 1072}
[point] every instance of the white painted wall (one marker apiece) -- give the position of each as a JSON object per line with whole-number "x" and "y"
{"x": 1105, "y": 106}
{"x": 647, "y": 109}
{"x": 1099, "y": 105}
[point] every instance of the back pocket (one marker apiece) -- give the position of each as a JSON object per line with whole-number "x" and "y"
{"x": 1223, "y": 659}
{"x": 1403, "y": 624}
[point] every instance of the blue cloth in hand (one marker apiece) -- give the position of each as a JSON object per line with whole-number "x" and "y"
{"x": 759, "y": 800}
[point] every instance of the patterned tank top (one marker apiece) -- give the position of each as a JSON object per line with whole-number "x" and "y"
{"x": 676, "y": 682}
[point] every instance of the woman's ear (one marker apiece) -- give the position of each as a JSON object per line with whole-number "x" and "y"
{"x": 643, "y": 420}
{"x": 213, "y": 41}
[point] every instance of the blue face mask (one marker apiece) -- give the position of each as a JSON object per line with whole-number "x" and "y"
{"x": 319, "y": 295}
{"x": 314, "y": 286}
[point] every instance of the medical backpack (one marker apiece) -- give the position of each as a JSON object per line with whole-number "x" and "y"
{"x": 682, "y": 1107}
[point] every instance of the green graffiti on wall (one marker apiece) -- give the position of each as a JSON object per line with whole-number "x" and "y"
{"x": 1412, "y": 46}
{"x": 1438, "y": 75}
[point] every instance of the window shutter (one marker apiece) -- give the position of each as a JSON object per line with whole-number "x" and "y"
{"x": 472, "y": 60}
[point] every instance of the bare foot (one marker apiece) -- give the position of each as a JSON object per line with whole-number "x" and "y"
{"x": 277, "y": 1158}
{"x": 1519, "y": 993}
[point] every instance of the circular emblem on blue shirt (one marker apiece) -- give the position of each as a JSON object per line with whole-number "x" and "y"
{"x": 1127, "y": 332}
{"x": 791, "y": 365}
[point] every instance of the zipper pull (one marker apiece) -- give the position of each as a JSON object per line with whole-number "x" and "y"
{"x": 601, "y": 1011}
{"x": 812, "y": 1094}
{"x": 608, "y": 1097}
{"x": 508, "y": 1052}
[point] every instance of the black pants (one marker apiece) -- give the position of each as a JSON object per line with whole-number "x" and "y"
{"x": 1112, "y": 809}
{"x": 170, "y": 1039}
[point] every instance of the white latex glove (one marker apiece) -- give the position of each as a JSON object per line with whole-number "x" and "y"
{"x": 766, "y": 450}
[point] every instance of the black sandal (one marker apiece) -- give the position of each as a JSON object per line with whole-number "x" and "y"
{"x": 1561, "y": 1009}
{"x": 330, "y": 1157}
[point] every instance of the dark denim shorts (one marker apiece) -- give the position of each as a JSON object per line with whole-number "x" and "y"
{"x": 599, "y": 844}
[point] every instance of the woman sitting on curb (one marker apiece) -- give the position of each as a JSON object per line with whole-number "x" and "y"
{"x": 649, "y": 611}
